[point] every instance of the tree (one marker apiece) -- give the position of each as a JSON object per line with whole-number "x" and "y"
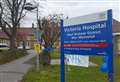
{"x": 49, "y": 27}
{"x": 10, "y": 17}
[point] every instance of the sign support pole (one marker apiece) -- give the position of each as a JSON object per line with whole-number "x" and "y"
{"x": 37, "y": 60}
{"x": 62, "y": 77}
{"x": 110, "y": 70}
{"x": 110, "y": 60}
{"x": 37, "y": 46}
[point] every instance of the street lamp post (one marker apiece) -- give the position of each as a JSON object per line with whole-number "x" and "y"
{"x": 30, "y": 7}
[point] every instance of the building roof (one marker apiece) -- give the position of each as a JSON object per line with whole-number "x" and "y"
{"x": 26, "y": 31}
{"x": 21, "y": 31}
{"x": 3, "y": 35}
{"x": 116, "y": 26}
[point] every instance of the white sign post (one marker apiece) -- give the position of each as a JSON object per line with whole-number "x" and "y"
{"x": 77, "y": 60}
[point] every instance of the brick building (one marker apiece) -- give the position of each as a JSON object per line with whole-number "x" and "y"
{"x": 25, "y": 34}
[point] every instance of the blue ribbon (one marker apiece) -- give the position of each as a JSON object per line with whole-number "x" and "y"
{"x": 48, "y": 49}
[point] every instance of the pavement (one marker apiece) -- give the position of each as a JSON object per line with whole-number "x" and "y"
{"x": 15, "y": 70}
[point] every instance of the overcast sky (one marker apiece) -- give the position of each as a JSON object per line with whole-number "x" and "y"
{"x": 72, "y": 8}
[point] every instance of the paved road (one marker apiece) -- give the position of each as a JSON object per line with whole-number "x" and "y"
{"x": 15, "y": 70}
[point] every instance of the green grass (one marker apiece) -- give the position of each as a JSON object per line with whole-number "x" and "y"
{"x": 46, "y": 74}
{"x": 10, "y": 55}
{"x": 75, "y": 74}
{"x": 91, "y": 74}
{"x": 1, "y": 50}
{"x": 117, "y": 68}
{"x": 55, "y": 54}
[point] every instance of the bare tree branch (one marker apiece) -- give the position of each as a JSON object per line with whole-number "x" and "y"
{"x": 12, "y": 13}
{"x": 20, "y": 16}
{"x": 50, "y": 28}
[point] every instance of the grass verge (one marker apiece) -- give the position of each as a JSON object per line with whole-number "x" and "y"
{"x": 10, "y": 55}
{"x": 76, "y": 74}
{"x": 55, "y": 54}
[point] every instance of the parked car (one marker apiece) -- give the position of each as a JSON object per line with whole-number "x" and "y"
{"x": 3, "y": 46}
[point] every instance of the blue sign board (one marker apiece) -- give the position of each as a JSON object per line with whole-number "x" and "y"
{"x": 88, "y": 35}
{"x": 95, "y": 38}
